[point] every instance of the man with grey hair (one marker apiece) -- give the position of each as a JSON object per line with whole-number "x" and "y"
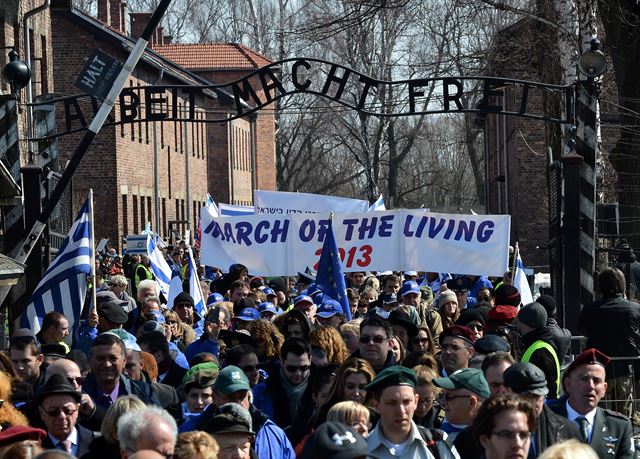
{"x": 147, "y": 287}
{"x": 151, "y": 428}
{"x": 118, "y": 285}
{"x": 232, "y": 430}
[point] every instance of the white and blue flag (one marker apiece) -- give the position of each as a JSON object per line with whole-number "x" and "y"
{"x": 159, "y": 265}
{"x": 521, "y": 283}
{"x": 64, "y": 285}
{"x": 378, "y": 205}
{"x": 175, "y": 288}
{"x": 195, "y": 290}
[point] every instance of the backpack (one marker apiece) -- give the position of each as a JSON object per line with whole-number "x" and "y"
{"x": 436, "y": 443}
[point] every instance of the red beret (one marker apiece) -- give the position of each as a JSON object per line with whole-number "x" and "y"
{"x": 590, "y": 356}
{"x": 15, "y": 434}
{"x": 503, "y": 313}
{"x": 459, "y": 331}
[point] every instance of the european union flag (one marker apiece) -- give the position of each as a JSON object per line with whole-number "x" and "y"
{"x": 330, "y": 278}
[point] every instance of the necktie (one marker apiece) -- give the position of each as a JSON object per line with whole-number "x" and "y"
{"x": 584, "y": 428}
{"x": 65, "y": 445}
{"x": 106, "y": 400}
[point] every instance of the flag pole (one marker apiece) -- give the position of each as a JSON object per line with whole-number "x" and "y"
{"x": 93, "y": 251}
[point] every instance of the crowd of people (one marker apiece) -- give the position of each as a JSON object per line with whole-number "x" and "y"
{"x": 429, "y": 366}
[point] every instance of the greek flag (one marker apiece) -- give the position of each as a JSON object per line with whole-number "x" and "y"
{"x": 159, "y": 265}
{"x": 64, "y": 285}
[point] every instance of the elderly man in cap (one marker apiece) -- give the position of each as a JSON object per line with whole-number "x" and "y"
{"x": 305, "y": 304}
{"x": 456, "y": 343}
{"x": 538, "y": 344}
{"x": 397, "y": 435}
{"x": 609, "y": 433}
{"x": 58, "y": 403}
{"x": 184, "y": 306}
{"x": 232, "y": 386}
{"x": 217, "y": 318}
{"x": 464, "y": 392}
{"x": 232, "y": 430}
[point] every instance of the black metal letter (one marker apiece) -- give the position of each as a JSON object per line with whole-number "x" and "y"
{"x": 245, "y": 93}
{"x": 368, "y": 84}
{"x": 342, "y": 81}
{"x": 413, "y": 93}
{"x": 150, "y": 103}
{"x": 129, "y": 111}
{"x": 294, "y": 74}
{"x": 446, "y": 82}
{"x": 75, "y": 115}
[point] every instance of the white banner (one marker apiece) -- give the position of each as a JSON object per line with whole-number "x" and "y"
{"x": 285, "y": 202}
{"x": 271, "y": 245}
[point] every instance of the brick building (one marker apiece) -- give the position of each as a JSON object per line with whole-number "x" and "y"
{"x": 227, "y": 159}
{"x": 230, "y": 175}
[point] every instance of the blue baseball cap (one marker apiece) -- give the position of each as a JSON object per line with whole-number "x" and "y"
{"x": 410, "y": 287}
{"x": 302, "y": 298}
{"x": 269, "y": 291}
{"x": 157, "y": 316}
{"x": 312, "y": 289}
{"x": 329, "y": 308}
{"x": 249, "y": 314}
{"x": 267, "y": 306}
{"x": 318, "y": 297}
{"x": 214, "y": 298}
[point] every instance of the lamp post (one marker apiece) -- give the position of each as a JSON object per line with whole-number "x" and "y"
{"x": 579, "y": 175}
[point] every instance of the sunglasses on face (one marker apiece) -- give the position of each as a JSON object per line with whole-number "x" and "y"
{"x": 78, "y": 380}
{"x": 372, "y": 339}
{"x": 294, "y": 368}
{"x": 55, "y": 412}
{"x": 477, "y": 327}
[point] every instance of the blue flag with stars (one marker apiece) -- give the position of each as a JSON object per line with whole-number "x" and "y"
{"x": 330, "y": 278}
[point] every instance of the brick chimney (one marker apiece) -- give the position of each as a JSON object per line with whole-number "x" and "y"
{"x": 138, "y": 23}
{"x": 159, "y": 35}
{"x": 113, "y": 13}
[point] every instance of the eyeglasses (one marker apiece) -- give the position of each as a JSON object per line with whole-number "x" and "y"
{"x": 451, "y": 397}
{"x": 55, "y": 412}
{"x": 509, "y": 435}
{"x": 79, "y": 380}
{"x": 294, "y": 368}
{"x": 478, "y": 327}
{"x": 364, "y": 339}
{"x": 252, "y": 368}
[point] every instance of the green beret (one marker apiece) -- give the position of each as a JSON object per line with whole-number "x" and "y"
{"x": 471, "y": 379}
{"x": 393, "y": 376}
{"x": 206, "y": 369}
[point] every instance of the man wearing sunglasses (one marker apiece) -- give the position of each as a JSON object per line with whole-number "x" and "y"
{"x": 286, "y": 394}
{"x": 464, "y": 392}
{"x": 59, "y": 404}
{"x": 374, "y": 343}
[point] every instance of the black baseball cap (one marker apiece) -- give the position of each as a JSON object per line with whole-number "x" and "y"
{"x": 336, "y": 441}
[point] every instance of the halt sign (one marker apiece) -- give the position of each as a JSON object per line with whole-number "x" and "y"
{"x": 98, "y": 74}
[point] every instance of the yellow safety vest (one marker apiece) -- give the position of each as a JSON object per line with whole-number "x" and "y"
{"x": 148, "y": 274}
{"x": 544, "y": 345}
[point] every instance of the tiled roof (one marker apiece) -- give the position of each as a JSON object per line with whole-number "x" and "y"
{"x": 212, "y": 56}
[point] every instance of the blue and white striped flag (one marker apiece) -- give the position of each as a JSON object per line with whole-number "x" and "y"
{"x": 159, "y": 265}
{"x": 64, "y": 285}
{"x": 520, "y": 281}
{"x": 194, "y": 284}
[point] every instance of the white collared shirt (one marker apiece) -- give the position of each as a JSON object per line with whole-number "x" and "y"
{"x": 572, "y": 415}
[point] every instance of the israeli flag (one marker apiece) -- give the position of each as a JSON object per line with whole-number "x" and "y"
{"x": 175, "y": 288}
{"x": 64, "y": 285}
{"x": 159, "y": 265}
{"x": 194, "y": 285}
{"x": 378, "y": 205}
{"x": 521, "y": 283}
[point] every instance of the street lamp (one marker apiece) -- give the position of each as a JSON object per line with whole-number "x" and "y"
{"x": 16, "y": 73}
{"x": 592, "y": 63}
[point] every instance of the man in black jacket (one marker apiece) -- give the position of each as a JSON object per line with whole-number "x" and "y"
{"x": 538, "y": 345}
{"x": 107, "y": 381}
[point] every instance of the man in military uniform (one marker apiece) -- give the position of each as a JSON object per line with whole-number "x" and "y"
{"x": 395, "y": 399}
{"x": 607, "y": 432}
